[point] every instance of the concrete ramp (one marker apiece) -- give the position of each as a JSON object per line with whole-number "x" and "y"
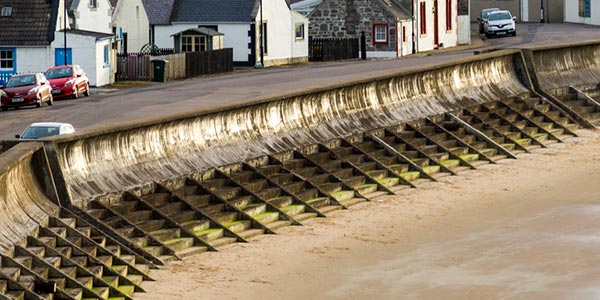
{"x": 128, "y": 156}
{"x": 23, "y": 204}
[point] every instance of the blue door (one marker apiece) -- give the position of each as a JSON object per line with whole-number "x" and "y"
{"x": 59, "y": 56}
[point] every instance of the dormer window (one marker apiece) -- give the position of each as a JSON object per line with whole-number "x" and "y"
{"x": 6, "y": 11}
{"x": 93, "y": 4}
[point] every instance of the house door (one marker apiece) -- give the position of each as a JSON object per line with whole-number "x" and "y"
{"x": 59, "y": 56}
{"x": 436, "y": 34}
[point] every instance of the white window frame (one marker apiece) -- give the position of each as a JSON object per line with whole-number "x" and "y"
{"x": 299, "y": 32}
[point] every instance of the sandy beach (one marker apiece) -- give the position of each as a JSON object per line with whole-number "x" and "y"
{"x": 520, "y": 229}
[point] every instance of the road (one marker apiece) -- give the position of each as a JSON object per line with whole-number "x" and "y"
{"x": 155, "y": 99}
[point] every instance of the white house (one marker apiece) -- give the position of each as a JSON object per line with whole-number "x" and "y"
{"x": 583, "y": 11}
{"x": 284, "y": 32}
{"x": 93, "y": 52}
{"x": 90, "y": 15}
{"x": 131, "y": 24}
{"x": 39, "y": 42}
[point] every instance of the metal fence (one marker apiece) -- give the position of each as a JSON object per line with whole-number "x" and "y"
{"x": 327, "y": 49}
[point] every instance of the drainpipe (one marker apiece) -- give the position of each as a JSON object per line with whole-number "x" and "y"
{"x": 398, "y": 39}
{"x": 414, "y": 50}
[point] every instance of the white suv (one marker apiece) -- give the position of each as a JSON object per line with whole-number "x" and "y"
{"x": 500, "y": 22}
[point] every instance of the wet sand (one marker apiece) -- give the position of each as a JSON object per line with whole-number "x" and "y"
{"x": 522, "y": 229}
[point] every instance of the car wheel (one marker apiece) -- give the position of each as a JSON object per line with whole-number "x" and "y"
{"x": 87, "y": 90}
{"x": 4, "y": 108}
{"x": 39, "y": 102}
{"x": 514, "y": 33}
{"x": 487, "y": 36}
{"x": 51, "y": 101}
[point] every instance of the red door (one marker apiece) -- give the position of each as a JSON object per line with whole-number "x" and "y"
{"x": 436, "y": 36}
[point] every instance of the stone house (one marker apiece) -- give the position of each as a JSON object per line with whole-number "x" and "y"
{"x": 388, "y": 25}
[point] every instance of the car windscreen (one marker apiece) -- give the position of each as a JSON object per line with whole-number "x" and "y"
{"x": 500, "y": 16}
{"x": 59, "y": 73}
{"x": 16, "y": 81}
{"x": 36, "y": 132}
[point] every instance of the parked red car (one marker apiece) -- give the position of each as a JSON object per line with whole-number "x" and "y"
{"x": 25, "y": 90}
{"x": 68, "y": 81}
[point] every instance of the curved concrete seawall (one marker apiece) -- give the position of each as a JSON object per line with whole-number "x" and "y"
{"x": 23, "y": 182}
{"x": 559, "y": 66}
{"x": 123, "y": 157}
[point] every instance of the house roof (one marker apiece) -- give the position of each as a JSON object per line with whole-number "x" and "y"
{"x": 214, "y": 11}
{"x": 159, "y": 12}
{"x": 114, "y": 3}
{"x": 97, "y": 35}
{"x": 396, "y": 8}
{"x": 32, "y": 22}
{"x": 202, "y": 30}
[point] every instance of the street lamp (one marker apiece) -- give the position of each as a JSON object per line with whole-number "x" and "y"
{"x": 65, "y": 30}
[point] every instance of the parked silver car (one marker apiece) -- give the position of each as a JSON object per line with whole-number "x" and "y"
{"x": 483, "y": 17}
{"x": 499, "y": 23}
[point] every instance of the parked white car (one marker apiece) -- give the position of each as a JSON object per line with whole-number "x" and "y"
{"x": 40, "y": 130}
{"x": 500, "y": 22}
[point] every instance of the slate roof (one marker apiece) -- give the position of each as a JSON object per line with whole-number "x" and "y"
{"x": 202, "y": 30}
{"x": 32, "y": 23}
{"x": 214, "y": 11}
{"x": 97, "y": 35}
{"x": 159, "y": 12}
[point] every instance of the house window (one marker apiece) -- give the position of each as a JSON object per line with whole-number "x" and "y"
{"x": 423, "y": 18}
{"x": 7, "y": 59}
{"x": 380, "y": 33}
{"x": 105, "y": 55}
{"x": 193, "y": 43}
{"x": 448, "y": 15}
{"x": 6, "y": 11}
{"x": 404, "y": 34}
{"x": 137, "y": 12}
{"x": 585, "y": 8}
{"x": 93, "y": 4}
{"x": 300, "y": 31}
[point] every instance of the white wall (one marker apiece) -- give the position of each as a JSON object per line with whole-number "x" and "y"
{"x": 130, "y": 15}
{"x": 103, "y": 73}
{"x": 280, "y": 30}
{"x": 405, "y": 48}
{"x": 235, "y": 36}
{"x": 97, "y": 19}
{"x": 464, "y": 30}
{"x": 89, "y": 54}
{"x": 34, "y": 59}
{"x": 300, "y": 47}
{"x": 447, "y": 38}
{"x": 572, "y": 13}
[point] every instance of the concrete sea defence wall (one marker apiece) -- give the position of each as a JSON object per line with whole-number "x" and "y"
{"x": 24, "y": 181}
{"x": 557, "y": 67}
{"x": 123, "y": 157}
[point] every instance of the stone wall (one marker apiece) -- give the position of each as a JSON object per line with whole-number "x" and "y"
{"x": 348, "y": 18}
